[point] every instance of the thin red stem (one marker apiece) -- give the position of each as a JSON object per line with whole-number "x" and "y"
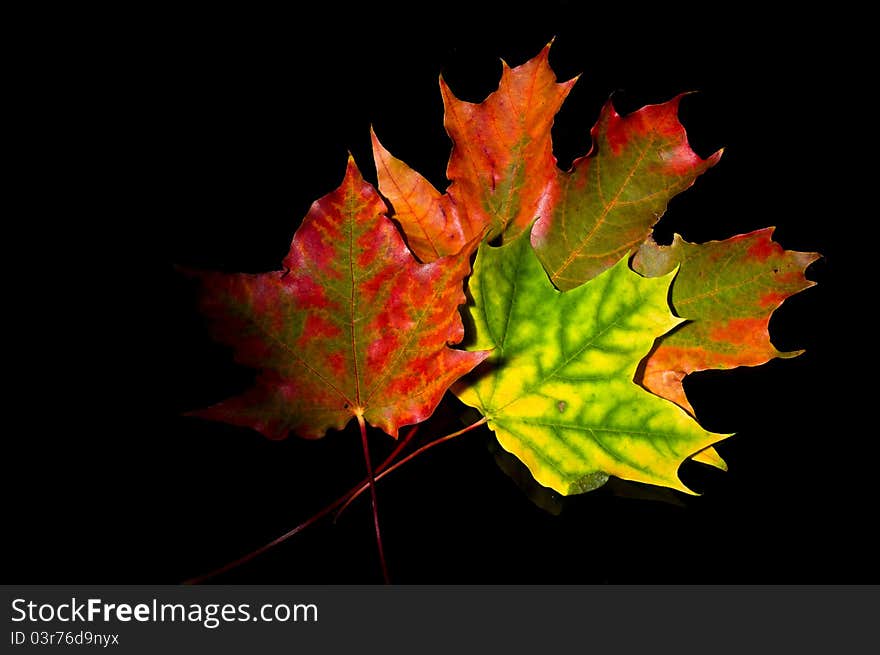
{"x": 372, "y": 485}
{"x": 344, "y": 500}
{"x": 364, "y": 486}
{"x": 262, "y": 549}
{"x": 313, "y": 519}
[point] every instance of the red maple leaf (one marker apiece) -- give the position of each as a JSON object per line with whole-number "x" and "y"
{"x": 352, "y": 327}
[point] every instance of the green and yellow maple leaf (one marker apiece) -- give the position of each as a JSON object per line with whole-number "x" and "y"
{"x": 558, "y": 389}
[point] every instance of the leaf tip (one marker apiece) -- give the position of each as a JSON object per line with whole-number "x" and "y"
{"x": 686, "y": 490}
{"x": 481, "y": 355}
{"x": 710, "y": 457}
{"x": 609, "y": 105}
{"x": 379, "y": 150}
{"x": 571, "y": 82}
{"x": 790, "y": 354}
{"x": 352, "y": 172}
{"x": 714, "y": 158}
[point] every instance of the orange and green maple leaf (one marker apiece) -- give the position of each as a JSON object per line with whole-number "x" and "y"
{"x": 728, "y": 291}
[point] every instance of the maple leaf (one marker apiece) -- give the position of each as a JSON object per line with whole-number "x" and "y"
{"x": 728, "y": 290}
{"x": 353, "y": 327}
{"x": 502, "y": 171}
{"x": 609, "y": 202}
{"x": 503, "y": 176}
{"x": 558, "y": 389}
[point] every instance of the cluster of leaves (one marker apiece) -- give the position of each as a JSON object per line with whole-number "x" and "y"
{"x": 581, "y": 327}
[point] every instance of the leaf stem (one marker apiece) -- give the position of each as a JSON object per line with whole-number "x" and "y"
{"x": 364, "y": 486}
{"x": 371, "y": 483}
{"x": 344, "y": 500}
{"x": 312, "y": 519}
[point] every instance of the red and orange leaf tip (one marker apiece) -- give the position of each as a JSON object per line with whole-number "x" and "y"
{"x": 502, "y": 171}
{"x": 729, "y": 290}
{"x": 353, "y": 327}
{"x": 608, "y": 204}
{"x": 427, "y": 217}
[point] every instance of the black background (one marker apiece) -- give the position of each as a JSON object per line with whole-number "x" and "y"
{"x": 202, "y": 139}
